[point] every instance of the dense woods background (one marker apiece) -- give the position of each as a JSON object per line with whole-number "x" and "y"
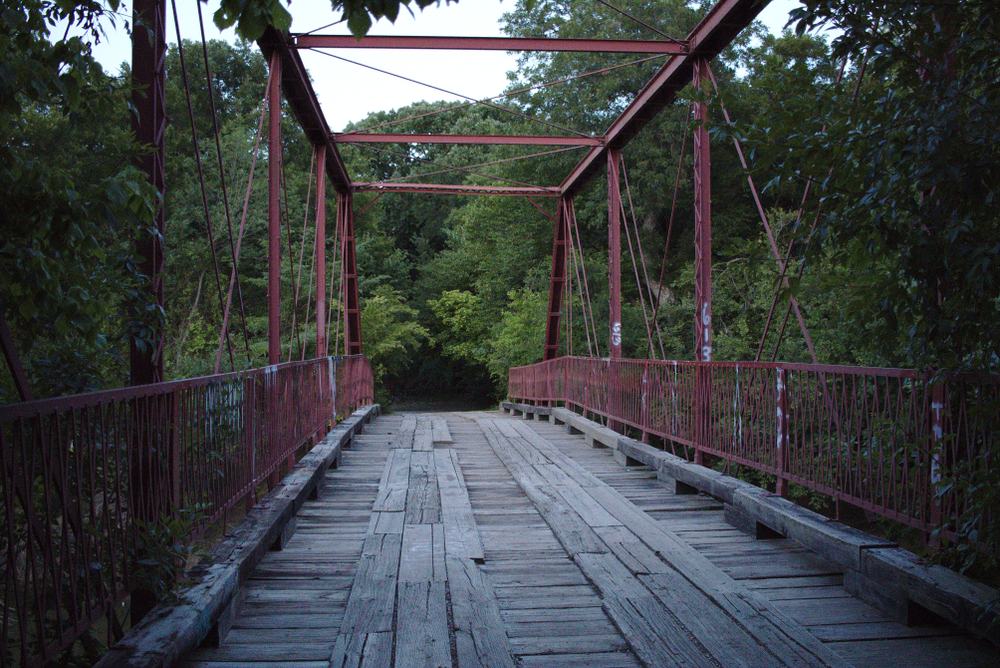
{"x": 895, "y": 260}
{"x": 900, "y": 270}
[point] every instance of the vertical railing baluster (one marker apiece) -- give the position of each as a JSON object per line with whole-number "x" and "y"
{"x": 781, "y": 431}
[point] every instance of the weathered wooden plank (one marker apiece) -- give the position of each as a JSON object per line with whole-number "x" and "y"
{"x": 422, "y": 638}
{"x": 440, "y": 431}
{"x": 656, "y": 637}
{"x": 395, "y": 480}
{"x": 820, "y": 611}
{"x": 591, "y": 660}
{"x": 372, "y": 602}
{"x": 964, "y": 652}
{"x": 386, "y": 522}
{"x": 362, "y": 650}
{"x": 480, "y": 639}
{"x": 756, "y": 618}
{"x": 267, "y": 652}
{"x": 423, "y": 503}
{"x": 423, "y": 439}
{"x": 244, "y": 664}
{"x": 416, "y": 562}
{"x": 438, "y": 552}
{"x": 879, "y": 631}
{"x": 460, "y": 530}
{"x": 632, "y": 552}
{"x": 572, "y": 532}
{"x": 548, "y": 645}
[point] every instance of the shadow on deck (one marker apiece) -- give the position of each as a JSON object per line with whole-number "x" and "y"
{"x": 468, "y": 539}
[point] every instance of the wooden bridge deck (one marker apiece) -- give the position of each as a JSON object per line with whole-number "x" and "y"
{"x": 477, "y": 540}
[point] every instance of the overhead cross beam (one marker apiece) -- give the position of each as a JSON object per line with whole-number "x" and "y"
{"x": 489, "y": 44}
{"x": 448, "y": 189}
{"x": 404, "y": 138}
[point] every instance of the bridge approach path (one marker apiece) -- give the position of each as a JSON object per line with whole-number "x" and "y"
{"x": 471, "y": 539}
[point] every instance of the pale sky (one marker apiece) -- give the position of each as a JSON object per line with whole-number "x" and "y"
{"x": 348, "y": 92}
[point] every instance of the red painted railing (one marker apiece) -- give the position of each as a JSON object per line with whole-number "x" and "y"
{"x": 879, "y": 439}
{"x": 86, "y": 477}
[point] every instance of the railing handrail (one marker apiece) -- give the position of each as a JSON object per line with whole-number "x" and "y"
{"x": 36, "y": 407}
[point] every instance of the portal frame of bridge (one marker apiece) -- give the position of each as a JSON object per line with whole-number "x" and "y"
{"x": 687, "y": 64}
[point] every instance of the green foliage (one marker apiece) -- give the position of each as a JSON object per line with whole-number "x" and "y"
{"x": 253, "y": 17}
{"x": 913, "y": 169}
{"x": 164, "y": 550}
{"x": 462, "y": 326}
{"x": 73, "y": 204}
{"x": 390, "y": 333}
{"x": 516, "y": 335}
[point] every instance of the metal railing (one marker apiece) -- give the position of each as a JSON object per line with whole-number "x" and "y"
{"x": 86, "y": 477}
{"x": 878, "y": 439}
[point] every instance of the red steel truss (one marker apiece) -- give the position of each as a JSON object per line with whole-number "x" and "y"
{"x": 687, "y": 61}
{"x": 489, "y": 44}
{"x": 402, "y": 138}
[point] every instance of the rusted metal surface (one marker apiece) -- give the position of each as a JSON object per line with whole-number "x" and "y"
{"x": 878, "y": 439}
{"x": 149, "y": 123}
{"x": 443, "y": 43}
{"x": 724, "y": 21}
{"x": 75, "y": 485}
{"x": 303, "y": 103}
{"x": 274, "y": 150}
{"x": 320, "y": 252}
{"x": 557, "y": 282}
{"x": 482, "y": 140}
{"x": 614, "y": 255}
{"x": 449, "y": 189}
{"x": 702, "y": 220}
{"x": 349, "y": 269}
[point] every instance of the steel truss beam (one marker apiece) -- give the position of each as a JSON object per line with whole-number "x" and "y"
{"x": 489, "y": 44}
{"x": 403, "y": 138}
{"x": 446, "y": 189}
{"x": 302, "y": 102}
{"x": 724, "y": 22}
{"x": 349, "y": 275}
{"x": 274, "y": 212}
{"x": 557, "y": 282}
{"x": 149, "y": 123}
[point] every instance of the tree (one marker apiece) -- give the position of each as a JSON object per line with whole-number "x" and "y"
{"x": 251, "y": 18}
{"x": 909, "y": 171}
{"x": 72, "y": 200}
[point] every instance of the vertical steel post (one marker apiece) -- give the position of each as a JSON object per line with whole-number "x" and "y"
{"x": 149, "y": 51}
{"x": 274, "y": 214}
{"x": 702, "y": 221}
{"x": 615, "y": 253}
{"x": 613, "y": 385}
{"x": 321, "y": 347}
{"x": 352, "y": 308}
{"x": 703, "y": 264}
{"x": 557, "y": 283}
